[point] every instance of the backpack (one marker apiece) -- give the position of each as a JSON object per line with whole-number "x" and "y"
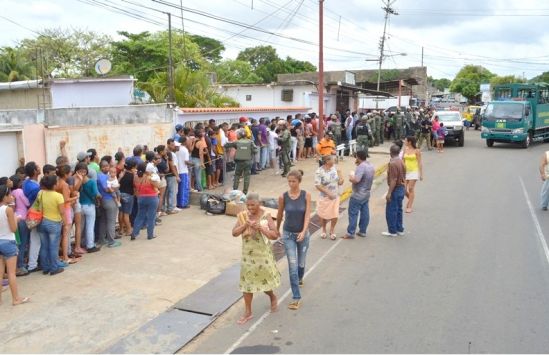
{"x": 213, "y": 204}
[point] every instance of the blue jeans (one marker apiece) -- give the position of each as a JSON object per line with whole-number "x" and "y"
{"x": 24, "y": 237}
{"x": 88, "y": 223}
{"x": 197, "y": 172}
{"x": 171, "y": 193}
{"x": 146, "y": 215}
{"x": 50, "y": 237}
{"x": 183, "y": 191}
{"x": 264, "y": 158}
{"x": 349, "y": 133}
{"x": 296, "y": 253}
{"x": 393, "y": 211}
{"x": 545, "y": 194}
{"x": 356, "y": 207}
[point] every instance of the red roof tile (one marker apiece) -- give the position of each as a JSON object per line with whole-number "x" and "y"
{"x": 241, "y": 109}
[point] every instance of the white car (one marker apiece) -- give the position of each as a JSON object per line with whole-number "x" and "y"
{"x": 454, "y": 125}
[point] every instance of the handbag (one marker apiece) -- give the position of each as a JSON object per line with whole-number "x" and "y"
{"x": 35, "y": 213}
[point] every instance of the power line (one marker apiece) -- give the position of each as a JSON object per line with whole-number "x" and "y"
{"x": 20, "y": 25}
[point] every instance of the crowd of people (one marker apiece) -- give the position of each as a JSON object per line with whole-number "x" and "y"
{"x": 87, "y": 197}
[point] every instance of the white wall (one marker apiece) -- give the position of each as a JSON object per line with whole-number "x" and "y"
{"x": 368, "y": 102}
{"x": 10, "y": 155}
{"x": 262, "y": 95}
{"x": 90, "y": 94}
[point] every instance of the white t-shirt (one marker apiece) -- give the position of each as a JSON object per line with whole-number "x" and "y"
{"x": 5, "y": 231}
{"x": 182, "y": 156}
{"x": 174, "y": 159}
{"x": 273, "y": 139}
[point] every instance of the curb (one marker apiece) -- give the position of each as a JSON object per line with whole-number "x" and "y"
{"x": 349, "y": 190}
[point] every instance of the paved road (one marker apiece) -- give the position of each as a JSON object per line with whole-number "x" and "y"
{"x": 471, "y": 274}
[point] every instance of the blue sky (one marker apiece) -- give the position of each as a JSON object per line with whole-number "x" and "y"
{"x": 507, "y": 37}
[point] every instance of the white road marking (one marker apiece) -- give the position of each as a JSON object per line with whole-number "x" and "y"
{"x": 280, "y": 300}
{"x": 540, "y": 234}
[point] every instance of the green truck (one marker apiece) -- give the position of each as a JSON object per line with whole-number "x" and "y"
{"x": 519, "y": 114}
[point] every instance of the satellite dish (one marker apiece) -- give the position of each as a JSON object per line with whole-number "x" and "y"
{"x": 103, "y": 66}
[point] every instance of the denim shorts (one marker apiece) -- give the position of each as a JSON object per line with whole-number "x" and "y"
{"x": 126, "y": 202}
{"x": 8, "y": 248}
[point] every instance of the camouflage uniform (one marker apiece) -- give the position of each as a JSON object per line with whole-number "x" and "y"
{"x": 399, "y": 123}
{"x": 372, "y": 123}
{"x": 363, "y": 130}
{"x": 381, "y": 128}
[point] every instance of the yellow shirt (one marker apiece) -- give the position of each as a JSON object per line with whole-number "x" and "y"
{"x": 411, "y": 163}
{"x": 51, "y": 201}
{"x": 248, "y": 132}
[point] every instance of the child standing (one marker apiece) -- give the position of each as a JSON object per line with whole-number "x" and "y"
{"x": 441, "y": 134}
{"x": 114, "y": 185}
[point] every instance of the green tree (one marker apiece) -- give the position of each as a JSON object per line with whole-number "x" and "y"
{"x": 543, "y": 77}
{"x": 210, "y": 48}
{"x": 192, "y": 89}
{"x": 298, "y": 66}
{"x": 14, "y": 65}
{"x": 508, "y": 79}
{"x": 145, "y": 54}
{"x": 468, "y": 79}
{"x": 258, "y": 56}
{"x": 440, "y": 84}
{"x": 236, "y": 72}
{"x": 67, "y": 53}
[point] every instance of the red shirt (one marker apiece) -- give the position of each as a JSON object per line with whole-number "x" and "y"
{"x": 144, "y": 189}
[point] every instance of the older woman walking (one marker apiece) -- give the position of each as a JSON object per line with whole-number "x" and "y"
{"x": 258, "y": 272}
{"x": 295, "y": 205}
{"x": 327, "y": 180}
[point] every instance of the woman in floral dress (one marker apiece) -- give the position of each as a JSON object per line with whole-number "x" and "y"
{"x": 258, "y": 272}
{"x": 327, "y": 180}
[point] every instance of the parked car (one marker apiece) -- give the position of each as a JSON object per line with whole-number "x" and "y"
{"x": 453, "y": 121}
{"x": 393, "y": 109}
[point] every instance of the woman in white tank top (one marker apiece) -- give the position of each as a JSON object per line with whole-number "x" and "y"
{"x": 8, "y": 246}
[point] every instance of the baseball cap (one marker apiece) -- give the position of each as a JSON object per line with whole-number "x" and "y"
{"x": 177, "y": 144}
{"x": 242, "y": 119}
{"x": 178, "y": 127}
{"x": 81, "y": 156}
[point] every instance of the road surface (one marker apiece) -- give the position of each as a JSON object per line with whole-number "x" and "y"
{"x": 470, "y": 275}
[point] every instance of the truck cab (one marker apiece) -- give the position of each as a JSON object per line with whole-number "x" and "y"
{"x": 507, "y": 122}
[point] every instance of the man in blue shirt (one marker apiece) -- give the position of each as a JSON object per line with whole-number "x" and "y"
{"x": 109, "y": 209}
{"x": 31, "y": 187}
{"x": 361, "y": 179}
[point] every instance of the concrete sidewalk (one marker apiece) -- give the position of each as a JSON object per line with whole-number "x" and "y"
{"x": 110, "y": 294}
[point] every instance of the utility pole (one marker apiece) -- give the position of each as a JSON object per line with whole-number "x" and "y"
{"x": 321, "y": 70}
{"x": 183, "y": 29}
{"x": 422, "y": 56}
{"x": 171, "y": 97}
{"x": 388, "y": 11}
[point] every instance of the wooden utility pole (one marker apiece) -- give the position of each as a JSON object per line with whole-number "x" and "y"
{"x": 388, "y": 11}
{"x": 320, "y": 70}
{"x": 171, "y": 96}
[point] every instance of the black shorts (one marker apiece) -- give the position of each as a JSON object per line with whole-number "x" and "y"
{"x": 308, "y": 142}
{"x": 219, "y": 163}
{"x": 209, "y": 168}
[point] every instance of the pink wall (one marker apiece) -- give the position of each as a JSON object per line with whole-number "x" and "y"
{"x": 34, "y": 144}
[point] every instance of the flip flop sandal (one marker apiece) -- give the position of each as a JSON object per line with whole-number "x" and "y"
{"x": 333, "y": 236}
{"x": 23, "y": 301}
{"x": 323, "y": 236}
{"x": 294, "y": 306}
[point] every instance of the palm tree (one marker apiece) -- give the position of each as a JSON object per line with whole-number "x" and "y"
{"x": 13, "y": 66}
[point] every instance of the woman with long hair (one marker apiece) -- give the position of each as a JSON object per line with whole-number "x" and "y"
{"x": 22, "y": 205}
{"x": 88, "y": 201}
{"x": 8, "y": 245}
{"x": 295, "y": 206}
{"x": 63, "y": 173}
{"x": 414, "y": 169}
{"x": 327, "y": 180}
{"x": 258, "y": 272}
{"x": 127, "y": 195}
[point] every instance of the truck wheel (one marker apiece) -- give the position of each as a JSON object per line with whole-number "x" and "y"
{"x": 461, "y": 140}
{"x": 526, "y": 142}
{"x": 489, "y": 142}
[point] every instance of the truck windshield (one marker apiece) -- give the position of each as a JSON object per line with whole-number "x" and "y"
{"x": 504, "y": 111}
{"x": 449, "y": 116}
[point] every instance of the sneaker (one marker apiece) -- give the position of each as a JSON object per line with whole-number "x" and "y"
{"x": 21, "y": 272}
{"x": 400, "y": 234}
{"x": 93, "y": 250}
{"x": 58, "y": 271}
{"x": 301, "y": 283}
{"x": 177, "y": 209}
{"x": 363, "y": 235}
{"x": 387, "y": 234}
{"x": 149, "y": 238}
{"x": 114, "y": 244}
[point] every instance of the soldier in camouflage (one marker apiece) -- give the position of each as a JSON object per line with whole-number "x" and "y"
{"x": 363, "y": 131}
{"x": 381, "y": 127}
{"x": 372, "y": 123}
{"x": 399, "y": 124}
